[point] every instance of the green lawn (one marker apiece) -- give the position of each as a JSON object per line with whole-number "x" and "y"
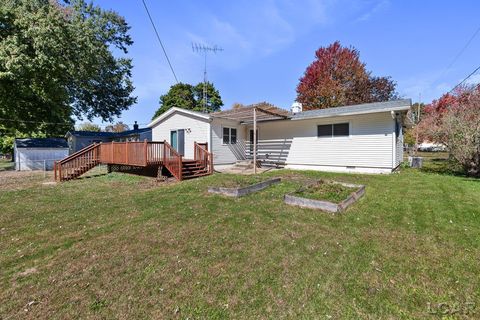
{"x": 122, "y": 246}
{"x": 6, "y": 165}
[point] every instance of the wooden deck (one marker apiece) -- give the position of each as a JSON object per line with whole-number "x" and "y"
{"x": 138, "y": 154}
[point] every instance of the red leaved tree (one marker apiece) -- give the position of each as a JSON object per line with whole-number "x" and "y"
{"x": 337, "y": 77}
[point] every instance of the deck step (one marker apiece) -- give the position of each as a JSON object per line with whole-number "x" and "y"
{"x": 189, "y": 173}
{"x": 196, "y": 175}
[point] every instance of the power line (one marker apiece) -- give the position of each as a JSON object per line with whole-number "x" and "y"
{"x": 159, "y": 40}
{"x": 461, "y": 51}
{"x": 466, "y": 78}
{"x": 38, "y": 122}
{"x": 67, "y": 123}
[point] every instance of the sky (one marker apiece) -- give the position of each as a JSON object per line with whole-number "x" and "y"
{"x": 268, "y": 45}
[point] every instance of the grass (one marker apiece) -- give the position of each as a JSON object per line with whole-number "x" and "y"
{"x": 122, "y": 246}
{"x": 328, "y": 191}
{"x": 6, "y": 165}
{"x": 240, "y": 181}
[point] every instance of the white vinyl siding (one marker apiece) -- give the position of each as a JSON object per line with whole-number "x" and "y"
{"x": 226, "y": 153}
{"x": 368, "y": 145}
{"x": 196, "y": 130}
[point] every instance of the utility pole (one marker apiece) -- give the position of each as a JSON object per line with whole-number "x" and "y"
{"x": 255, "y": 140}
{"x": 196, "y": 47}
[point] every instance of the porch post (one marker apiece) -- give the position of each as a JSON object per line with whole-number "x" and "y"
{"x": 145, "y": 150}
{"x": 126, "y": 152}
{"x": 255, "y": 140}
{"x": 164, "y": 151}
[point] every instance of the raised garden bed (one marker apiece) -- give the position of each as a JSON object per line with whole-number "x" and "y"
{"x": 331, "y": 196}
{"x": 242, "y": 189}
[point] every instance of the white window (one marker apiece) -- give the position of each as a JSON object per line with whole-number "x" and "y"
{"x": 229, "y": 135}
{"x": 333, "y": 130}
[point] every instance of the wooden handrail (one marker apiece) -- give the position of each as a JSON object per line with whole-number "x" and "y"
{"x": 172, "y": 160}
{"x": 198, "y": 145}
{"x": 172, "y": 148}
{"x": 75, "y": 154}
{"x": 77, "y": 163}
{"x": 205, "y": 156}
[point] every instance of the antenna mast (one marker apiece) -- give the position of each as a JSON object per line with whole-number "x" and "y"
{"x": 196, "y": 47}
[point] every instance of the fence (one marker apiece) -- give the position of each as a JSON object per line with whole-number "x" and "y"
{"x": 32, "y": 165}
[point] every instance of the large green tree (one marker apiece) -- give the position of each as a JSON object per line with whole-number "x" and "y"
{"x": 88, "y": 126}
{"x": 57, "y": 62}
{"x": 186, "y": 96}
{"x": 214, "y": 100}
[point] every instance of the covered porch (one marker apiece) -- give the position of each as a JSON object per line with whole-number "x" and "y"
{"x": 257, "y": 138}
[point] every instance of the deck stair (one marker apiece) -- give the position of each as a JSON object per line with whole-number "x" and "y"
{"x": 193, "y": 169}
{"x": 78, "y": 163}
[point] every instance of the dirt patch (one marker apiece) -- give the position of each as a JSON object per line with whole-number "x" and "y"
{"x": 27, "y": 272}
{"x": 238, "y": 181}
{"x": 16, "y": 180}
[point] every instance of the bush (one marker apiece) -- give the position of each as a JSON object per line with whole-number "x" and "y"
{"x": 454, "y": 120}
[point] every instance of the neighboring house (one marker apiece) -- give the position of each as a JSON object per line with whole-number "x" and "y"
{"x": 78, "y": 140}
{"x": 365, "y": 138}
{"x": 38, "y": 153}
{"x": 431, "y": 147}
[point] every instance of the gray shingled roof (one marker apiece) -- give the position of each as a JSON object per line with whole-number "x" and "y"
{"x": 41, "y": 143}
{"x": 394, "y": 105}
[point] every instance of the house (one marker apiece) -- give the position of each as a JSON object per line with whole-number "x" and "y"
{"x": 78, "y": 140}
{"x": 364, "y": 138}
{"x": 38, "y": 153}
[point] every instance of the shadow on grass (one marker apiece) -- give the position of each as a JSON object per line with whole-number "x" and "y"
{"x": 442, "y": 166}
{"x": 7, "y": 166}
{"x": 95, "y": 175}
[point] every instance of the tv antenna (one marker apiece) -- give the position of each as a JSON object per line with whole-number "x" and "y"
{"x": 197, "y": 47}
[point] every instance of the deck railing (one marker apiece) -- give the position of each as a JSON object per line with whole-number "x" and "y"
{"x": 202, "y": 155}
{"x": 130, "y": 153}
{"x": 172, "y": 160}
{"x": 155, "y": 152}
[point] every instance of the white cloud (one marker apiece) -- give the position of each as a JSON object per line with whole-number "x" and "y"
{"x": 248, "y": 31}
{"x": 424, "y": 85}
{"x": 377, "y": 7}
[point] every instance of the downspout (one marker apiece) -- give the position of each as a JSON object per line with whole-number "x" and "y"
{"x": 210, "y": 139}
{"x": 393, "y": 139}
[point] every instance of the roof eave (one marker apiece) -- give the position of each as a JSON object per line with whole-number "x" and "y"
{"x": 173, "y": 110}
{"x": 402, "y": 108}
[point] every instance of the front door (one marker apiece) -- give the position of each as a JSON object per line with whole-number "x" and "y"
{"x": 177, "y": 140}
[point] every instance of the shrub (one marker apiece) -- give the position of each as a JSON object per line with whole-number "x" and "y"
{"x": 454, "y": 120}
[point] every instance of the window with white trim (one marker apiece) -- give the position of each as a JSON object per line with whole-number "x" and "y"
{"x": 229, "y": 135}
{"x": 333, "y": 130}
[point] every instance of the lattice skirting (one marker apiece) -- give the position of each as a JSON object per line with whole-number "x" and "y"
{"x": 151, "y": 171}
